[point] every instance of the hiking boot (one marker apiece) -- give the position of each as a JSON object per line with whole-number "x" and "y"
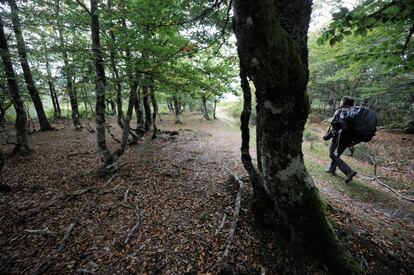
{"x": 349, "y": 177}
{"x": 331, "y": 172}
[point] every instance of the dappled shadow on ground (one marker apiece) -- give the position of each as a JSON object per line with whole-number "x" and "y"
{"x": 176, "y": 191}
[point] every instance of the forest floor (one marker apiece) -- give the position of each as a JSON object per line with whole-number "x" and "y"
{"x": 170, "y": 208}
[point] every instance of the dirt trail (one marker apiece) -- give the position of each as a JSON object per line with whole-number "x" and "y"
{"x": 176, "y": 189}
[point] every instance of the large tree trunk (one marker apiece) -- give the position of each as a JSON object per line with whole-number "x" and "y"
{"x": 147, "y": 108}
{"x": 177, "y": 110}
{"x": 31, "y": 87}
{"x": 68, "y": 73}
{"x": 271, "y": 40}
{"x": 22, "y": 144}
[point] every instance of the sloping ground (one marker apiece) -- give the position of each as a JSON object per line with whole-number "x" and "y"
{"x": 173, "y": 191}
{"x": 378, "y": 223}
{"x": 162, "y": 213}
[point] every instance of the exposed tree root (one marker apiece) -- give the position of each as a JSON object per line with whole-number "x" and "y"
{"x": 236, "y": 217}
{"x": 41, "y": 268}
{"x": 376, "y": 178}
{"x": 223, "y": 220}
{"x": 134, "y": 229}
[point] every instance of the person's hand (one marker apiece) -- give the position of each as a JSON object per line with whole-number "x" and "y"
{"x": 327, "y": 136}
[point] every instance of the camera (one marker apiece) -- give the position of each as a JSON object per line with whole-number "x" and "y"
{"x": 328, "y": 135}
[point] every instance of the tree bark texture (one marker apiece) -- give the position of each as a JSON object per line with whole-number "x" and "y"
{"x": 154, "y": 112}
{"x": 22, "y": 144}
{"x": 147, "y": 108}
{"x": 204, "y": 109}
{"x": 214, "y": 109}
{"x": 53, "y": 94}
{"x": 177, "y": 110}
{"x": 68, "y": 74}
{"x": 28, "y": 77}
{"x": 138, "y": 111}
{"x": 271, "y": 40}
{"x": 109, "y": 162}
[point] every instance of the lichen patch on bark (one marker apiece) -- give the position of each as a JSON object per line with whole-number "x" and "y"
{"x": 295, "y": 168}
{"x": 275, "y": 110}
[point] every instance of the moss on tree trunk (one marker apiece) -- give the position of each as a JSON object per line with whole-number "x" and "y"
{"x": 22, "y": 144}
{"x": 271, "y": 39}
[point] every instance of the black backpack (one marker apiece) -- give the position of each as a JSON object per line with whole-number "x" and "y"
{"x": 361, "y": 123}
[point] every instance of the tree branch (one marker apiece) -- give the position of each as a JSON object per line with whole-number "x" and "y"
{"x": 201, "y": 16}
{"x": 387, "y": 186}
{"x": 84, "y": 7}
{"x": 408, "y": 39}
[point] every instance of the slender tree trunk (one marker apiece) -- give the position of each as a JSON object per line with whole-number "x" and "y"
{"x": 52, "y": 89}
{"x": 58, "y": 105}
{"x": 108, "y": 159}
{"x": 204, "y": 107}
{"x": 177, "y": 110}
{"x": 113, "y": 107}
{"x": 272, "y": 46}
{"x": 147, "y": 108}
{"x": 214, "y": 108}
{"x": 154, "y": 113}
{"x": 85, "y": 99}
{"x": 31, "y": 87}
{"x": 68, "y": 73}
{"x": 139, "y": 113}
{"x": 3, "y": 111}
{"x": 182, "y": 107}
{"x": 191, "y": 106}
{"x": 170, "y": 106}
{"x": 22, "y": 144}
{"x": 112, "y": 56}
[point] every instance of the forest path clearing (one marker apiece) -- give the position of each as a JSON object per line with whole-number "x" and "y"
{"x": 176, "y": 189}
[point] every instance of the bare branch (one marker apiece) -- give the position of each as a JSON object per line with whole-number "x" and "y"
{"x": 84, "y": 7}
{"x": 408, "y": 39}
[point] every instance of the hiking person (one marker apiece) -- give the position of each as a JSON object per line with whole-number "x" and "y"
{"x": 350, "y": 125}
{"x": 341, "y": 139}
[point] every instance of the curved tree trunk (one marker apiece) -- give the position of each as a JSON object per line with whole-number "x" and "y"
{"x": 271, "y": 41}
{"x": 31, "y": 87}
{"x": 22, "y": 144}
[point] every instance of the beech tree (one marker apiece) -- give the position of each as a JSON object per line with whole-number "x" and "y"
{"x": 109, "y": 159}
{"x": 67, "y": 71}
{"x": 31, "y": 87}
{"x": 22, "y": 144}
{"x": 272, "y": 47}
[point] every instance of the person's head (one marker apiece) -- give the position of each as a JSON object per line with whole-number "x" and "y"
{"x": 347, "y": 101}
